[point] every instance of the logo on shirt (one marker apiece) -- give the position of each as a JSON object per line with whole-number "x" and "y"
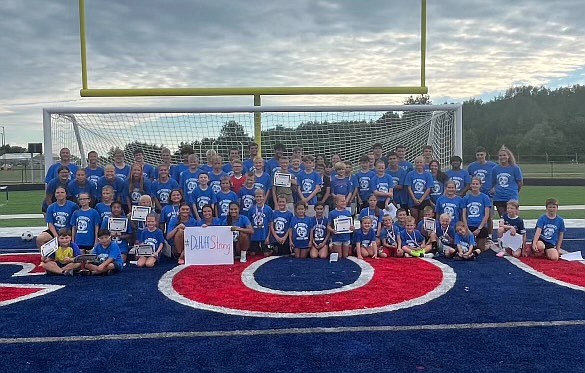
{"x": 191, "y": 185}
{"x": 163, "y": 196}
{"x": 307, "y": 186}
{"x": 504, "y": 180}
{"x": 419, "y": 186}
{"x": 279, "y": 225}
{"x": 474, "y": 209}
{"x": 82, "y": 225}
{"x": 302, "y": 232}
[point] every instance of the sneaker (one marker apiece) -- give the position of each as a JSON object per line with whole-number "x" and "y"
{"x": 243, "y": 260}
{"x": 429, "y": 255}
{"x": 501, "y": 254}
{"x": 407, "y": 255}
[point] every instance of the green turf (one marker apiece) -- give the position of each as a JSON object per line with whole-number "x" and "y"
{"x": 28, "y": 202}
{"x": 22, "y": 223}
{"x": 537, "y": 195}
{"x": 553, "y": 170}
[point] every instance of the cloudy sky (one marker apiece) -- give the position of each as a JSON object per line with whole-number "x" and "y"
{"x": 475, "y": 49}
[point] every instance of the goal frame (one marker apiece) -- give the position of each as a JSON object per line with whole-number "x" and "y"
{"x": 256, "y": 110}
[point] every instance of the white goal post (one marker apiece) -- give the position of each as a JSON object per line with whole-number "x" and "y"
{"x": 349, "y": 131}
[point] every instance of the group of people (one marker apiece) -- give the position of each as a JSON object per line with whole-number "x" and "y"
{"x": 300, "y": 205}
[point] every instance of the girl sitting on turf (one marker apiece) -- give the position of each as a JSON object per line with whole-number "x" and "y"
{"x": 319, "y": 233}
{"x": 176, "y": 230}
{"x": 513, "y": 223}
{"x": 139, "y": 226}
{"x": 300, "y": 231}
{"x": 241, "y": 230}
{"x": 387, "y": 239}
{"x": 61, "y": 262}
{"x": 465, "y": 241}
{"x": 445, "y": 235}
{"x": 365, "y": 240}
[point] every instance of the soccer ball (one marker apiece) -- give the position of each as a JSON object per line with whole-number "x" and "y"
{"x": 27, "y": 236}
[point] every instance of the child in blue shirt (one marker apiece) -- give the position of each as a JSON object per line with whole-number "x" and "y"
{"x": 120, "y": 238}
{"x": 412, "y": 242}
{"x": 202, "y": 195}
{"x": 476, "y": 211}
{"x": 108, "y": 254}
{"x": 382, "y": 185}
{"x": 153, "y": 237}
{"x": 445, "y": 235}
{"x": 247, "y": 194}
{"x": 513, "y": 223}
{"x": 387, "y": 239}
{"x": 300, "y": 231}
{"x": 465, "y": 241}
{"x": 340, "y": 241}
{"x": 86, "y": 224}
{"x": 280, "y": 227}
{"x": 260, "y": 216}
{"x": 550, "y": 231}
{"x": 365, "y": 240}
{"x": 224, "y": 197}
{"x": 319, "y": 233}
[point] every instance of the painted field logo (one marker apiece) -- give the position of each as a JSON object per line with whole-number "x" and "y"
{"x": 12, "y": 293}
{"x": 568, "y": 274}
{"x": 285, "y": 287}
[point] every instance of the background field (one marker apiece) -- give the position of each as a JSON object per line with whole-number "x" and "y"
{"x": 29, "y": 202}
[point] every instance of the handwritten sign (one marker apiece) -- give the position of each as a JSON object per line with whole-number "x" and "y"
{"x": 209, "y": 245}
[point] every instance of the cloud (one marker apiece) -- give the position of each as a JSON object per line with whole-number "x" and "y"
{"x": 474, "y": 48}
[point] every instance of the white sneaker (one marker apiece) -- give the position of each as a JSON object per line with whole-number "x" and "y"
{"x": 429, "y": 255}
{"x": 243, "y": 260}
{"x": 243, "y": 257}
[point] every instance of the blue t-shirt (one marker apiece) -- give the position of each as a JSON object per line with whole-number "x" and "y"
{"x": 373, "y": 214}
{"x": 406, "y": 166}
{"x": 153, "y": 239}
{"x": 189, "y": 181}
{"x": 122, "y": 244}
{"x": 246, "y": 199}
{"x": 167, "y": 213}
{"x": 135, "y": 190}
{"x": 363, "y": 181}
{"x": 339, "y": 237}
{"x": 112, "y": 251}
{"x": 419, "y": 183}
{"x": 516, "y": 222}
{"x": 214, "y": 222}
{"x": 177, "y": 170}
{"x": 446, "y": 235}
{"x": 228, "y": 169}
{"x": 319, "y": 229}
{"x": 550, "y": 228}
{"x": 260, "y": 217}
{"x": 215, "y": 181}
{"x": 300, "y": 232}
{"x": 271, "y": 166}
{"x": 398, "y": 176}
{"x": 162, "y": 191}
{"x": 94, "y": 175}
{"x": 117, "y": 184}
{"x": 86, "y": 224}
{"x": 223, "y": 201}
{"x": 437, "y": 189}
{"x": 241, "y": 222}
{"x": 122, "y": 173}
{"x": 53, "y": 174}
{"x": 201, "y": 197}
{"x": 104, "y": 210}
{"x": 75, "y": 189}
{"x": 248, "y": 165}
{"x": 466, "y": 242}
{"x": 413, "y": 240}
{"x": 281, "y": 222}
{"x": 365, "y": 239}
{"x": 383, "y": 183}
{"x": 484, "y": 173}
{"x": 389, "y": 235}
{"x": 263, "y": 182}
{"x": 476, "y": 206}
{"x": 54, "y": 184}
{"x": 461, "y": 179}
{"x": 451, "y": 206}
{"x": 308, "y": 182}
{"x": 505, "y": 180}
{"x": 60, "y": 216}
{"x": 341, "y": 186}
{"x": 148, "y": 171}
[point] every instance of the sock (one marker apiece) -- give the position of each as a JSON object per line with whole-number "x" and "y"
{"x": 243, "y": 255}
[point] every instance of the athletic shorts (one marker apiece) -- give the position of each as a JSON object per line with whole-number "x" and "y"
{"x": 48, "y": 231}
{"x": 85, "y": 247}
{"x": 547, "y": 245}
{"x": 118, "y": 267}
{"x": 341, "y": 243}
{"x": 483, "y": 232}
{"x": 423, "y": 204}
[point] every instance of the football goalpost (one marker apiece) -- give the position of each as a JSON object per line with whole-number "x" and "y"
{"x": 348, "y": 131}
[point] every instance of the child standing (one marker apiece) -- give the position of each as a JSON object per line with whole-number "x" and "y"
{"x": 120, "y": 238}
{"x": 300, "y": 231}
{"x": 260, "y": 216}
{"x": 372, "y": 211}
{"x": 247, "y": 194}
{"x": 382, "y": 185}
{"x": 476, "y": 210}
{"x": 310, "y": 183}
{"x": 224, "y": 197}
{"x": 202, "y": 195}
{"x": 280, "y": 227}
{"x": 340, "y": 241}
{"x": 550, "y": 230}
{"x": 319, "y": 233}
{"x": 284, "y": 191}
{"x": 86, "y": 224}
{"x": 513, "y": 223}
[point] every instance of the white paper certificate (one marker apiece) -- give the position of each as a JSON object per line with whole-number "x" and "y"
{"x": 429, "y": 224}
{"x": 343, "y": 224}
{"x": 49, "y": 248}
{"x": 139, "y": 213}
{"x": 117, "y": 224}
{"x": 513, "y": 242}
{"x": 282, "y": 180}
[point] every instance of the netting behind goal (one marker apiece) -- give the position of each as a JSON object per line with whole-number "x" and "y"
{"x": 347, "y": 131}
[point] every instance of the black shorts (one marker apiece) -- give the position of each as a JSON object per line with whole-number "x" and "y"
{"x": 547, "y": 245}
{"x": 500, "y": 204}
{"x": 423, "y": 204}
{"x": 48, "y": 231}
{"x": 85, "y": 247}
{"x": 483, "y": 232}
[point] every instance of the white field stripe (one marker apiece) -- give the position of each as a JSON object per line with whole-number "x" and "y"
{"x": 293, "y": 331}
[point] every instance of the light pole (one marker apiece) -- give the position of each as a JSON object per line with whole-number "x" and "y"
{"x": 4, "y": 146}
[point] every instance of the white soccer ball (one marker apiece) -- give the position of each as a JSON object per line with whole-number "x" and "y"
{"x": 27, "y": 236}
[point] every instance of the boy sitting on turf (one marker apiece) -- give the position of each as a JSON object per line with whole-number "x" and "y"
{"x": 61, "y": 263}
{"x": 412, "y": 241}
{"x": 108, "y": 254}
{"x": 445, "y": 235}
{"x": 513, "y": 223}
{"x": 550, "y": 230}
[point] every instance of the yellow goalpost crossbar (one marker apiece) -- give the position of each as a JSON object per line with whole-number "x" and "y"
{"x": 247, "y": 91}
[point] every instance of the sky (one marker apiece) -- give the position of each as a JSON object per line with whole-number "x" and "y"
{"x": 475, "y": 49}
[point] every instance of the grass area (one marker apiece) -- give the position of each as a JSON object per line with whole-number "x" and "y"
{"x": 26, "y": 202}
{"x": 19, "y": 175}
{"x": 536, "y": 195}
{"x": 22, "y": 223}
{"x": 553, "y": 170}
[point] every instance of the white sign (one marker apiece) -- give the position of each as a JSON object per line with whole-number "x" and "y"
{"x": 49, "y": 248}
{"x": 139, "y": 213}
{"x": 513, "y": 242}
{"x": 343, "y": 224}
{"x": 209, "y": 245}
{"x": 282, "y": 180}
{"x": 117, "y": 224}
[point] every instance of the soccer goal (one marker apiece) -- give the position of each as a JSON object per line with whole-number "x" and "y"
{"x": 349, "y": 131}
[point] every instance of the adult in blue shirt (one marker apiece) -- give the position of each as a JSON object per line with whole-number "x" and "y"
{"x": 476, "y": 211}
{"x": 65, "y": 161}
{"x": 461, "y": 177}
{"x": 162, "y": 187}
{"x": 418, "y": 183}
{"x": 112, "y": 180}
{"x": 62, "y": 180}
{"x": 482, "y": 168}
{"x": 58, "y": 216}
{"x": 82, "y": 184}
{"x": 93, "y": 170}
{"x": 507, "y": 180}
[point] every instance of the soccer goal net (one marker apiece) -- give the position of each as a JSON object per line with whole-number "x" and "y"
{"x": 347, "y": 131}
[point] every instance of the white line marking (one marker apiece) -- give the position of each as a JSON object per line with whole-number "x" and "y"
{"x": 291, "y": 331}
